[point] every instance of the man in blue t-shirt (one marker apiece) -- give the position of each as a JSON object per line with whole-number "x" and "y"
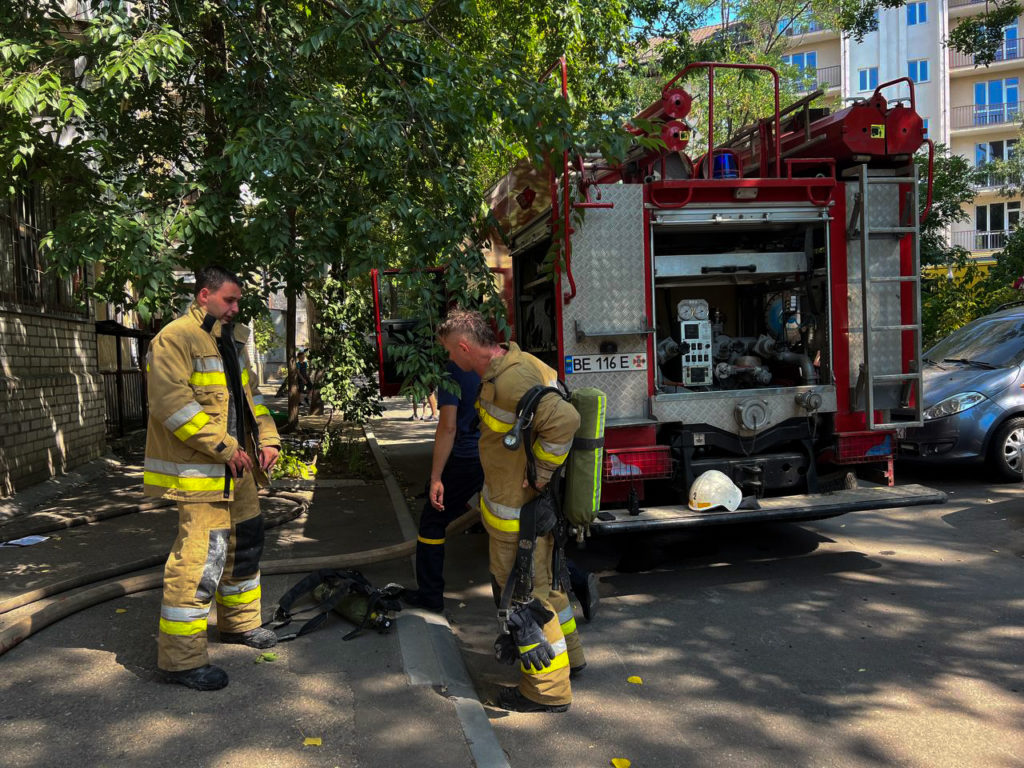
{"x": 455, "y": 477}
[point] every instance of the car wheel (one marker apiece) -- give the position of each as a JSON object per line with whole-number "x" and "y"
{"x": 1004, "y": 455}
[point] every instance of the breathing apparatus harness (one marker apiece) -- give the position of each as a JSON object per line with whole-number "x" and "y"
{"x": 344, "y": 591}
{"x": 521, "y": 616}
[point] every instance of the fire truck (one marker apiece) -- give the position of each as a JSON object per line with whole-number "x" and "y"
{"x": 754, "y": 309}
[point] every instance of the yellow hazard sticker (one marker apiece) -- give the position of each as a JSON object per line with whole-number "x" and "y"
{"x": 877, "y": 131}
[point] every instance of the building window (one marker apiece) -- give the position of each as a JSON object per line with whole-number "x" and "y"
{"x": 995, "y": 101}
{"x": 993, "y": 151}
{"x": 917, "y": 13}
{"x": 993, "y": 224}
{"x": 917, "y": 70}
{"x": 868, "y": 78}
{"x": 25, "y": 279}
{"x": 924, "y": 121}
{"x": 802, "y": 61}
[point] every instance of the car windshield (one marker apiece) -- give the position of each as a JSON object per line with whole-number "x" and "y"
{"x": 989, "y": 343}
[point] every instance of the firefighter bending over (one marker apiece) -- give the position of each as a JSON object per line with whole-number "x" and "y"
{"x": 209, "y": 440}
{"x": 543, "y": 636}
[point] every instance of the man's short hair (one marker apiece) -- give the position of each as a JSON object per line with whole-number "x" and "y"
{"x": 471, "y": 324}
{"x": 213, "y": 277}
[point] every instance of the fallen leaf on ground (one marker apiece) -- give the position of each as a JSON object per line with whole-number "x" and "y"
{"x": 313, "y": 741}
{"x": 635, "y": 679}
{"x": 121, "y": 610}
{"x": 621, "y": 762}
{"x": 266, "y": 657}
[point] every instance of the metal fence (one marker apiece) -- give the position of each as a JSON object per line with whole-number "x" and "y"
{"x": 978, "y": 115}
{"x": 25, "y": 279}
{"x": 125, "y": 396}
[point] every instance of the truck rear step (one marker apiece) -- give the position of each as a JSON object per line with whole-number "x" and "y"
{"x": 814, "y": 506}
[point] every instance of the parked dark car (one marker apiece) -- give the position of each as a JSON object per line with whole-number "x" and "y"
{"x": 973, "y": 397}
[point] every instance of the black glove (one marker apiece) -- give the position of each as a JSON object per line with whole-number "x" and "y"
{"x": 505, "y": 649}
{"x": 527, "y": 625}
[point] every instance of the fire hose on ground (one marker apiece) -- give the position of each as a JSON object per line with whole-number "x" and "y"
{"x": 77, "y": 594}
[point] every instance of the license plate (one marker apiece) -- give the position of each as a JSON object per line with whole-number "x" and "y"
{"x": 605, "y": 363}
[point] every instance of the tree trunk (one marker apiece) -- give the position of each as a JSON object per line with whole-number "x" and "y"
{"x": 290, "y": 292}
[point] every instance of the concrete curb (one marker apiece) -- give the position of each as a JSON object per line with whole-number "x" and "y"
{"x": 35, "y": 496}
{"x": 430, "y": 652}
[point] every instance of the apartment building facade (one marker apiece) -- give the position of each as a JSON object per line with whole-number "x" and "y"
{"x": 975, "y": 110}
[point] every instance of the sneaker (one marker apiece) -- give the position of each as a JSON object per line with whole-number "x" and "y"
{"x": 416, "y": 600}
{"x": 513, "y": 700}
{"x": 430, "y": 418}
{"x": 414, "y": 417}
{"x": 207, "y": 678}
{"x": 254, "y": 638}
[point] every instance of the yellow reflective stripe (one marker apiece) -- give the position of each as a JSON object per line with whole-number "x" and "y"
{"x": 509, "y": 526}
{"x": 245, "y": 376}
{"x": 525, "y": 648}
{"x": 182, "y": 628}
{"x": 602, "y": 405}
{"x": 491, "y": 422}
{"x": 211, "y": 379}
{"x": 193, "y": 425}
{"x": 185, "y": 483}
{"x": 569, "y": 627}
{"x": 260, "y": 410}
{"x": 561, "y": 661}
{"x": 551, "y": 458}
{"x": 243, "y": 598}
{"x": 429, "y": 541}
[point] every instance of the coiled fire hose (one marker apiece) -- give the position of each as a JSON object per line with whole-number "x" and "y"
{"x": 73, "y": 595}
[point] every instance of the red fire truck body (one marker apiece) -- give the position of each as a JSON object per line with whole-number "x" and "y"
{"x": 756, "y": 311}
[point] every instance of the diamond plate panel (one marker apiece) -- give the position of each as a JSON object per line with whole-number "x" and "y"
{"x": 610, "y": 302}
{"x": 884, "y": 307}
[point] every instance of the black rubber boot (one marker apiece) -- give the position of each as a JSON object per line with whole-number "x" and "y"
{"x": 208, "y": 678}
{"x": 254, "y": 638}
{"x": 513, "y": 700}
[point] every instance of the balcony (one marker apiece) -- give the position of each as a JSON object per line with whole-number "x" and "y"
{"x": 812, "y": 79}
{"x": 983, "y": 115}
{"x": 803, "y": 27}
{"x": 975, "y": 240}
{"x": 1010, "y": 50}
{"x": 994, "y": 180}
{"x": 965, "y": 3}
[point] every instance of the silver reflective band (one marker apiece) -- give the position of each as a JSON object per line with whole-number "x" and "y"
{"x": 558, "y": 449}
{"x": 185, "y": 470}
{"x": 237, "y": 589}
{"x": 499, "y": 510}
{"x": 172, "y": 613}
{"x": 182, "y": 416}
{"x": 207, "y": 364}
{"x": 565, "y": 614}
{"x": 506, "y": 417}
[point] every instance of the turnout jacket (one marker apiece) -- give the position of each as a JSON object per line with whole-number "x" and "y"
{"x": 188, "y": 443}
{"x": 555, "y": 423}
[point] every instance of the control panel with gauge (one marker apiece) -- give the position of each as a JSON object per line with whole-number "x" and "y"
{"x": 695, "y": 333}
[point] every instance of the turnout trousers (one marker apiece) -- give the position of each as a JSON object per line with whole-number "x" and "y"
{"x": 550, "y": 685}
{"x": 462, "y": 479}
{"x": 216, "y": 556}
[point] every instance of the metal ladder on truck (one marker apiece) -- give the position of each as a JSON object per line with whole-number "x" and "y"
{"x": 875, "y": 384}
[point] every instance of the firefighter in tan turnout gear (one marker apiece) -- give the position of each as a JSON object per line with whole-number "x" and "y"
{"x": 210, "y": 438}
{"x": 542, "y": 630}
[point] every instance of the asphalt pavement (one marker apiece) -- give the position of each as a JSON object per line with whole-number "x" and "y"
{"x": 85, "y": 690}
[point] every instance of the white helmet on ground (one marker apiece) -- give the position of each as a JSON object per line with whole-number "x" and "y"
{"x": 714, "y": 489}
